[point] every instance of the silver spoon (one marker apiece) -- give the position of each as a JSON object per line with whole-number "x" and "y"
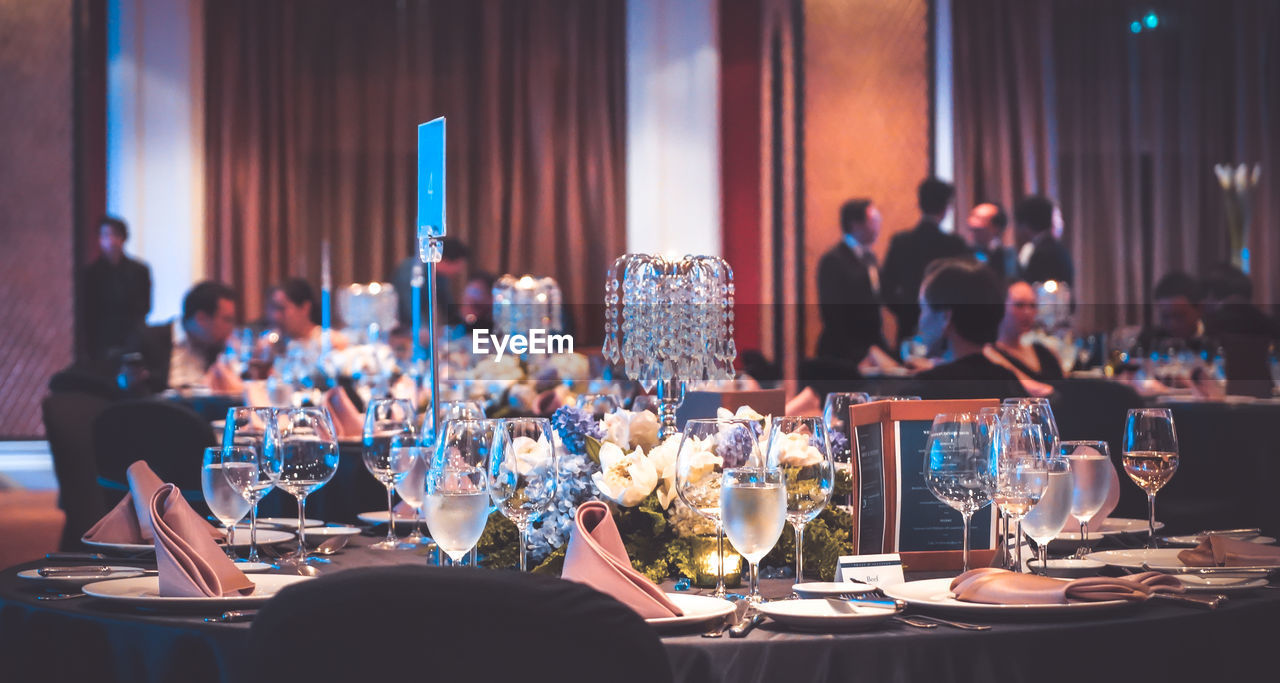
{"x": 331, "y": 545}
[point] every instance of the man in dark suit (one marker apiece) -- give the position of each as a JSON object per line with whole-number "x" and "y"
{"x": 985, "y": 234}
{"x": 1228, "y": 306}
{"x": 116, "y": 294}
{"x": 1041, "y": 257}
{"x": 849, "y": 286}
{"x": 913, "y": 250}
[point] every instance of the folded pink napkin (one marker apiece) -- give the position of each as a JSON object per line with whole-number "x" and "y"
{"x": 993, "y": 586}
{"x": 597, "y": 558}
{"x": 130, "y": 520}
{"x": 1108, "y": 506}
{"x": 1220, "y": 551}
{"x": 346, "y": 419}
{"x": 190, "y": 564}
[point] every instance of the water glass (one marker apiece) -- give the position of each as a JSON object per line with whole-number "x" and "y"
{"x": 1045, "y": 521}
{"x": 224, "y": 501}
{"x": 522, "y": 474}
{"x": 306, "y": 444}
{"x": 246, "y": 427}
{"x": 457, "y": 506}
{"x": 753, "y": 507}
{"x": 1021, "y": 473}
{"x": 1150, "y": 456}
{"x": 388, "y": 452}
{"x": 800, "y": 447}
{"x": 957, "y": 467}
{"x": 1091, "y": 472}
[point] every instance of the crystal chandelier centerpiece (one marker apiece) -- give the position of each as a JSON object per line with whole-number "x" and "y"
{"x": 670, "y": 321}
{"x": 521, "y": 304}
{"x": 369, "y": 310}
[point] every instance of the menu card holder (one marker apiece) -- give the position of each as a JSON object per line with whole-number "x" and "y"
{"x": 893, "y": 511}
{"x": 703, "y": 404}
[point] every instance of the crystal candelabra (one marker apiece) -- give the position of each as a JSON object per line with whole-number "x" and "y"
{"x": 669, "y": 322}
{"x": 368, "y": 310}
{"x": 521, "y": 304}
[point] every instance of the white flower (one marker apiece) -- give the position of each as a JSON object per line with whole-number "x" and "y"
{"x": 663, "y": 457}
{"x": 617, "y": 427}
{"x": 628, "y": 429}
{"x": 703, "y": 460}
{"x": 527, "y": 454}
{"x": 795, "y": 450}
{"x": 644, "y": 429}
{"x": 624, "y": 478}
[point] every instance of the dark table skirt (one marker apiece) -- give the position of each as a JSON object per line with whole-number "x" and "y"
{"x": 89, "y": 640}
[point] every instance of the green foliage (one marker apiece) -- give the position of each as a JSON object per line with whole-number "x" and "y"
{"x": 593, "y": 449}
{"x": 825, "y": 538}
{"x": 499, "y": 544}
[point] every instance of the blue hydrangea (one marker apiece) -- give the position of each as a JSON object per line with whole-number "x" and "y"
{"x": 574, "y": 488}
{"x": 839, "y": 442}
{"x": 735, "y": 445}
{"x": 573, "y": 426}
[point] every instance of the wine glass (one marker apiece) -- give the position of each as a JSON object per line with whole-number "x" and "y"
{"x": 597, "y": 405}
{"x": 1090, "y": 479}
{"x": 1150, "y": 456}
{"x": 799, "y": 445}
{"x": 1021, "y": 475}
{"x": 457, "y": 502}
{"x": 306, "y": 444}
{"x": 753, "y": 505}
{"x": 449, "y": 410}
{"x": 1045, "y": 521}
{"x": 707, "y": 448}
{"x": 957, "y": 467}
{"x": 224, "y": 501}
{"x": 412, "y": 487}
{"x": 389, "y": 452}
{"x": 522, "y": 473}
{"x": 1040, "y": 412}
{"x": 247, "y": 427}
{"x": 835, "y": 417}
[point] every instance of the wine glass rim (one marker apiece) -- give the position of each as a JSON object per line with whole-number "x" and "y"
{"x": 1151, "y": 411}
{"x": 719, "y": 420}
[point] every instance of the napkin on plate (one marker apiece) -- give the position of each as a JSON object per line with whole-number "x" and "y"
{"x": 597, "y": 558}
{"x": 346, "y": 419}
{"x": 190, "y": 564}
{"x": 1220, "y": 551}
{"x": 1002, "y": 587}
{"x": 130, "y": 520}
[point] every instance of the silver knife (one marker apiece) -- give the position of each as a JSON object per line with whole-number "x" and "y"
{"x": 91, "y": 557}
{"x": 72, "y": 571}
{"x": 718, "y": 630}
{"x": 750, "y": 621}
{"x": 233, "y": 616}
{"x": 1212, "y": 571}
{"x": 1205, "y": 601}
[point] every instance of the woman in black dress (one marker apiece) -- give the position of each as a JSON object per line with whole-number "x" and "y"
{"x": 1032, "y": 360}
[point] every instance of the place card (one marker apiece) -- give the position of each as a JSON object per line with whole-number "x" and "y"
{"x": 431, "y": 172}
{"x": 873, "y": 570}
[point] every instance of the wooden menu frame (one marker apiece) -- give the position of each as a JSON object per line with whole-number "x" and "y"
{"x": 887, "y": 416}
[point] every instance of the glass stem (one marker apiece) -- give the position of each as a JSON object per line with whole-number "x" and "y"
{"x": 253, "y": 529}
{"x": 720, "y": 562}
{"x": 967, "y": 516}
{"x": 1151, "y": 520}
{"x": 391, "y": 515}
{"x": 524, "y": 548}
{"x": 754, "y": 595}
{"x": 302, "y": 528}
{"x": 1043, "y": 553}
{"x": 1017, "y": 544}
{"x": 231, "y": 541}
{"x": 1084, "y": 531}
{"x": 1002, "y": 534}
{"x": 799, "y": 527}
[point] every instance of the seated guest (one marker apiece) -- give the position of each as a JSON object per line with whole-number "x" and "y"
{"x": 1228, "y": 306}
{"x": 1178, "y": 319}
{"x": 476, "y": 308}
{"x": 1041, "y": 257}
{"x": 911, "y": 252}
{"x": 1025, "y": 360}
{"x": 962, "y": 302}
{"x": 453, "y": 261}
{"x": 208, "y": 320}
{"x": 294, "y": 310}
{"x": 985, "y": 235}
{"x": 849, "y": 287}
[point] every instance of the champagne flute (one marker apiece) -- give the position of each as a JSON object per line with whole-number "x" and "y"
{"x": 306, "y": 444}
{"x": 247, "y": 427}
{"x": 707, "y": 448}
{"x": 388, "y": 452}
{"x": 1021, "y": 475}
{"x": 1045, "y": 521}
{"x": 1150, "y": 456}
{"x": 1090, "y": 479}
{"x": 224, "y": 501}
{"x": 522, "y": 473}
{"x": 957, "y": 467}
{"x": 799, "y": 445}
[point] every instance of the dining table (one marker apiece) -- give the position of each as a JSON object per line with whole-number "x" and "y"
{"x": 91, "y": 639}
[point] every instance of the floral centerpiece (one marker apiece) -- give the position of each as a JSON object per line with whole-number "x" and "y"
{"x": 619, "y": 459}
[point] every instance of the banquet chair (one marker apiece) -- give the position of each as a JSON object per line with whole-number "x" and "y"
{"x": 409, "y": 622}
{"x": 83, "y": 380}
{"x": 66, "y": 418}
{"x": 170, "y": 437}
{"x": 1095, "y": 410}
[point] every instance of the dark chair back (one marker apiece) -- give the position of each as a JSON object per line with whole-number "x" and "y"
{"x": 169, "y": 436}
{"x": 67, "y": 418}
{"x": 452, "y": 624}
{"x": 83, "y": 380}
{"x": 1095, "y": 410}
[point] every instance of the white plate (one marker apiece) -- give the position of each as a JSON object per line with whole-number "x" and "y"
{"x": 697, "y": 609}
{"x": 321, "y": 533}
{"x": 1159, "y": 559}
{"x": 1194, "y": 540}
{"x": 380, "y": 517}
{"x": 1220, "y": 584}
{"x": 144, "y": 591}
{"x": 252, "y": 567}
{"x": 265, "y": 537}
{"x": 290, "y": 523}
{"x": 821, "y": 589}
{"x": 117, "y": 572}
{"x": 121, "y": 547}
{"x": 1111, "y": 527}
{"x": 935, "y": 595}
{"x": 821, "y": 615}
{"x": 1068, "y": 568}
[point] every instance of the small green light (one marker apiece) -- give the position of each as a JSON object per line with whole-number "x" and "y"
{"x": 1152, "y": 20}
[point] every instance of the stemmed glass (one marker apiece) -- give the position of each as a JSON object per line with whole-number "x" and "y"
{"x": 1045, "y": 521}
{"x": 411, "y": 488}
{"x": 247, "y": 427}
{"x": 1021, "y": 473}
{"x": 598, "y": 405}
{"x": 707, "y": 448}
{"x": 1090, "y": 479}
{"x": 522, "y": 471}
{"x": 799, "y": 445}
{"x": 449, "y": 410}
{"x": 389, "y": 452}
{"x": 1150, "y": 456}
{"x": 1039, "y": 412}
{"x": 306, "y": 444}
{"x": 457, "y": 500}
{"x": 957, "y": 467}
{"x": 224, "y": 501}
